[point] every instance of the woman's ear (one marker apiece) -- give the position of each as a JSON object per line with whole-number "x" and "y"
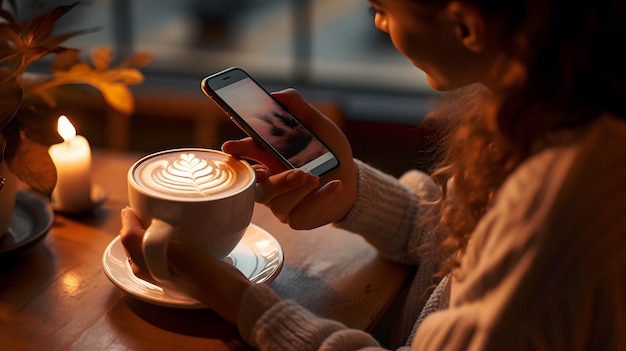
{"x": 469, "y": 25}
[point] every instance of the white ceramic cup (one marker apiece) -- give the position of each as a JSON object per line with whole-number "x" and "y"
{"x": 201, "y": 198}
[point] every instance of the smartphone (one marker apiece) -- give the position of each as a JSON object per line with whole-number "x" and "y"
{"x": 269, "y": 123}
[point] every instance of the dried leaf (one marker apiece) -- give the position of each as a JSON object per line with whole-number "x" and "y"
{"x": 138, "y": 60}
{"x": 39, "y": 126}
{"x": 78, "y": 70}
{"x": 8, "y": 43}
{"x": 53, "y": 42}
{"x": 48, "y": 98}
{"x": 10, "y": 101}
{"x": 129, "y": 76}
{"x": 111, "y": 84}
{"x": 65, "y": 60}
{"x": 41, "y": 26}
{"x": 32, "y": 164}
{"x": 118, "y": 96}
{"x": 26, "y": 42}
{"x": 23, "y": 138}
{"x": 101, "y": 58}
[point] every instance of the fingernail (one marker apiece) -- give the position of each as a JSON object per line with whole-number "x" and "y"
{"x": 334, "y": 186}
{"x": 297, "y": 177}
{"x": 261, "y": 174}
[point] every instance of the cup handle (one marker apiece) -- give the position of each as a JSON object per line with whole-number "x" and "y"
{"x": 154, "y": 248}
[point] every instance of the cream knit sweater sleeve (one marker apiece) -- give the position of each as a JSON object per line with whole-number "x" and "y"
{"x": 384, "y": 213}
{"x": 389, "y": 212}
{"x": 545, "y": 269}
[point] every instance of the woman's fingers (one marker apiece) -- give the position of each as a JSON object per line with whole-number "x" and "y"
{"x": 300, "y": 199}
{"x": 285, "y": 190}
{"x": 324, "y": 200}
{"x": 297, "y": 198}
{"x": 299, "y": 107}
{"x": 262, "y": 173}
{"x": 247, "y": 148}
{"x": 131, "y": 236}
{"x": 284, "y": 182}
{"x": 217, "y": 284}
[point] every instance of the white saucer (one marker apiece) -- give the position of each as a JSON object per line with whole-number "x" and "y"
{"x": 258, "y": 256}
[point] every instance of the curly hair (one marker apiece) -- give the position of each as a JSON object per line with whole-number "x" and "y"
{"x": 574, "y": 73}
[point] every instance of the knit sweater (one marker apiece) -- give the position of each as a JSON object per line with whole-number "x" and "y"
{"x": 544, "y": 269}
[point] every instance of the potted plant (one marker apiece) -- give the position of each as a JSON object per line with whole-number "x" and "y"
{"x": 24, "y": 141}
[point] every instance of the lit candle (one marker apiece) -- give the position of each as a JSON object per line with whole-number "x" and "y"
{"x": 72, "y": 159}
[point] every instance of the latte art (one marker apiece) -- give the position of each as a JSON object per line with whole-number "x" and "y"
{"x": 192, "y": 175}
{"x": 202, "y": 198}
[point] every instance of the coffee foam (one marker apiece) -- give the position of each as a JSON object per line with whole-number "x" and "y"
{"x": 192, "y": 174}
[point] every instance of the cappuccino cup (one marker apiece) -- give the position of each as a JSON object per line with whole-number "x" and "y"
{"x": 200, "y": 198}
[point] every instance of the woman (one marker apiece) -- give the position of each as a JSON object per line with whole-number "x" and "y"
{"x": 521, "y": 227}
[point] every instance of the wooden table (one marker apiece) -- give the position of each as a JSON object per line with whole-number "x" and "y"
{"x": 56, "y": 296}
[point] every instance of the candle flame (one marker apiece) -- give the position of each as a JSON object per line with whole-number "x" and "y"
{"x": 65, "y": 128}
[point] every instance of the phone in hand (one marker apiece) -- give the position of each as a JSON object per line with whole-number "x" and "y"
{"x": 269, "y": 123}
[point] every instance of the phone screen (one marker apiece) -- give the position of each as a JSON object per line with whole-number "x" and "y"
{"x": 277, "y": 126}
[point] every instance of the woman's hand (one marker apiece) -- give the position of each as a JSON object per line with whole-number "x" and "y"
{"x": 300, "y": 199}
{"x": 219, "y": 285}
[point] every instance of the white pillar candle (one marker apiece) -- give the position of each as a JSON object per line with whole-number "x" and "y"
{"x": 72, "y": 159}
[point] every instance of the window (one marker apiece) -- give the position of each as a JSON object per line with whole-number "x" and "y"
{"x": 325, "y": 43}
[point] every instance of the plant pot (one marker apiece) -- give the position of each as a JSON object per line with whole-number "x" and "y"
{"x": 7, "y": 198}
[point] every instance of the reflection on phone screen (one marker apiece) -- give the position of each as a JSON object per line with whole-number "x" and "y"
{"x": 276, "y": 125}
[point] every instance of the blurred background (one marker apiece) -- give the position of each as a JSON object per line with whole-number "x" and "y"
{"x": 327, "y": 49}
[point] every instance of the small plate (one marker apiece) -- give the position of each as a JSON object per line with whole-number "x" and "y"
{"x": 258, "y": 256}
{"x": 32, "y": 218}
